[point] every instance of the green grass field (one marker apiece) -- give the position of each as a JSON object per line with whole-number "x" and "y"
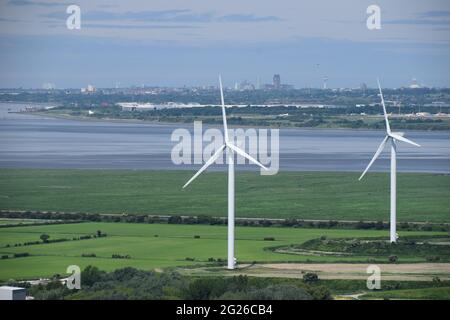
{"x": 442, "y": 293}
{"x": 311, "y": 195}
{"x": 171, "y": 247}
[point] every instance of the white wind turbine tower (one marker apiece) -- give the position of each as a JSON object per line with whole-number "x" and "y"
{"x": 393, "y": 137}
{"x": 231, "y": 150}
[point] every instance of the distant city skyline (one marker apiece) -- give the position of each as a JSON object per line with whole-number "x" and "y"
{"x": 238, "y": 85}
{"x": 189, "y": 42}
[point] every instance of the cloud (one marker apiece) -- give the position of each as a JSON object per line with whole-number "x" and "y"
{"x": 434, "y": 14}
{"x": 431, "y": 18}
{"x": 124, "y": 26}
{"x": 247, "y": 18}
{"x": 181, "y": 15}
{"x": 36, "y": 3}
{"x": 430, "y": 22}
{"x": 9, "y": 20}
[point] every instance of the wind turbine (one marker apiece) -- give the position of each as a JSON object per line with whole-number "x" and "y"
{"x": 393, "y": 137}
{"x": 231, "y": 150}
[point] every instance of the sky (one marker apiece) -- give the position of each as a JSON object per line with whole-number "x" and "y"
{"x": 189, "y": 42}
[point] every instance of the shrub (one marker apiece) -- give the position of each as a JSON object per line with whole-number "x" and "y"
{"x": 44, "y": 237}
{"x": 433, "y": 258}
{"x": 175, "y": 220}
{"x": 393, "y": 259}
{"x": 21, "y": 255}
{"x": 269, "y": 239}
{"x": 120, "y": 256}
{"x": 310, "y": 277}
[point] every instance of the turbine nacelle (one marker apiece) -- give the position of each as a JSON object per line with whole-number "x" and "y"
{"x": 231, "y": 147}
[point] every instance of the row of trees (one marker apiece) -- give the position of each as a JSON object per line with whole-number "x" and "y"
{"x": 203, "y": 219}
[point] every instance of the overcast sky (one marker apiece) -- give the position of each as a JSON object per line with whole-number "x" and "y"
{"x": 188, "y": 42}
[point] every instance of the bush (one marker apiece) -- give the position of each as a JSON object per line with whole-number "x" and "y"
{"x": 269, "y": 239}
{"x": 310, "y": 277}
{"x": 319, "y": 293}
{"x": 393, "y": 259}
{"x": 90, "y": 275}
{"x": 44, "y": 237}
{"x": 120, "y": 256}
{"x": 279, "y": 292}
{"x": 196, "y": 237}
{"x": 21, "y": 255}
{"x": 175, "y": 220}
{"x": 433, "y": 258}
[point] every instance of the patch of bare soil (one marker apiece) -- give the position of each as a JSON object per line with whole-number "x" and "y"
{"x": 405, "y": 271}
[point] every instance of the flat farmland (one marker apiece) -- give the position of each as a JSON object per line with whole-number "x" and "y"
{"x": 302, "y": 195}
{"x": 151, "y": 246}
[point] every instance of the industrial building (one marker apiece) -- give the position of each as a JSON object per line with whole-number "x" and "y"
{"x": 12, "y": 293}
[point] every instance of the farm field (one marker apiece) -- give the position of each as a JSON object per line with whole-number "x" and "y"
{"x": 151, "y": 246}
{"x": 442, "y": 293}
{"x": 302, "y": 195}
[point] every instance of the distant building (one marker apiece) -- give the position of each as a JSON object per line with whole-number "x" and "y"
{"x": 414, "y": 84}
{"x": 363, "y": 87}
{"x": 12, "y": 293}
{"x": 276, "y": 82}
{"x": 244, "y": 86}
{"x": 89, "y": 89}
{"x": 133, "y": 106}
{"x": 48, "y": 86}
{"x": 325, "y": 80}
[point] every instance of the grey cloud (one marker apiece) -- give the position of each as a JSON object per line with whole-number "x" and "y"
{"x": 431, "y": 18}
{"x": 431, "y": 22}
{"x": 434, "y": 14}
{"x": 247, "y": 18}
{"x": 119, "y": 26}
{"x": 36, "y": 3}
{"x": 181, "y": 15}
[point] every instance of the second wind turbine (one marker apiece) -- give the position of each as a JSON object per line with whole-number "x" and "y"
{"x": 231, "y": 150}
{"x": 392, "y": 137}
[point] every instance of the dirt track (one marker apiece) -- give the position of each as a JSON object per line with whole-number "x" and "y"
{"x": 399, "y": 272}
{"x": 409, "y": 271}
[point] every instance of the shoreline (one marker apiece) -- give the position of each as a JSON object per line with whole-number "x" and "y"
{"x": 137, "y": 121}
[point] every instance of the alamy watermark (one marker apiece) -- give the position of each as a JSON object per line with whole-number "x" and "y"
{"x": 373, "y": 22}
{"x": 374, "y": 280}
{"x": 73, "y": 21}
{"x": 74, "y": 280}
{"x": 199, "y": 146}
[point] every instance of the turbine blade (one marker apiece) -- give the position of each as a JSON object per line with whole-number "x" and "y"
{"x": 224, "y": 115}
{"x": 375, "y": 156}
{"x": 206, "y": 165}
{"x": 245, "y": 155}
{"x": 400, "y": 138}
{"x": 388, "y": 127}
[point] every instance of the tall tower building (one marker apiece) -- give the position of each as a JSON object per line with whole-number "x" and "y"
{"x": 325, "y": 79}
{"x": 276, "y": 81}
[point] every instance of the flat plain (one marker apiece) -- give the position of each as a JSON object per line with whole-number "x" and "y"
{"x": 153, "y": 246}
{"x": 301, "y": 195}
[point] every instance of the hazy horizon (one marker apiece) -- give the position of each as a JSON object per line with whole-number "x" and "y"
{"x": 179, "y": 42}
